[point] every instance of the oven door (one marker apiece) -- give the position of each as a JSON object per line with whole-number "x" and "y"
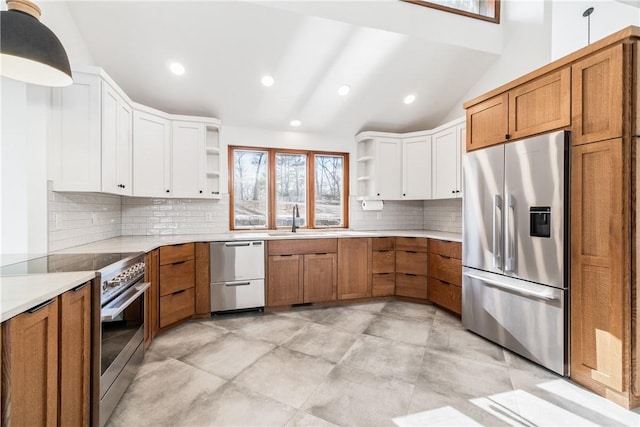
{"x": 122, "y": 346}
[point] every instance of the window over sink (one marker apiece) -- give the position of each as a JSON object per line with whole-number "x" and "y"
{"x": 266, "y": 185}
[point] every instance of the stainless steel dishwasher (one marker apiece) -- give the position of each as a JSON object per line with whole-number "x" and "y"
{"x": 237, "y": 275}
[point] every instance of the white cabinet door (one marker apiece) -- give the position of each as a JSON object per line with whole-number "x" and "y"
{"x": 387, "y": 183}
{"x": 151, "y": 155}
{"x": 416, "y": 168}
{"x": 445, "y": 164}
{"x": 188, "y": 174}
{"x": 116, "y": 142}
{"x": 461, "y": 131}
{"x": 76, "y": 150}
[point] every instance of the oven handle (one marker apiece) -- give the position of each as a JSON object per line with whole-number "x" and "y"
{"x": 110, "y": 313}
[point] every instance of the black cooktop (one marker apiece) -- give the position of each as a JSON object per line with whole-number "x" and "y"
{"x": 57, "y": 263}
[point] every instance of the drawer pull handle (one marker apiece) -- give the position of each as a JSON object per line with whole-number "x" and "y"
{"x": 409, "y": 274}
{"x": 41, "y": 306}
{"x": 445, "y": 283}
{"x": 321, "y": 253}
{"x": 444, "y": 256}
{"x": 84, "y": 285}
{"x": 178, "y": 262}
{"x": 179, "y": 292}
{"x": 237, "y": 284}
{"x": 411, "y": 252}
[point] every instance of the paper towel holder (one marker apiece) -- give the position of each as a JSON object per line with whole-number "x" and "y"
{"x": 372, "y": 205}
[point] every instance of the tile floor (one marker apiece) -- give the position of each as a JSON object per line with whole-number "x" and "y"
{"x": 375, "y": 364}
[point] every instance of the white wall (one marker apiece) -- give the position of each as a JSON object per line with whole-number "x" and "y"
{"x": 526, "y": 46}
{"x": 569, "y": 30}
{"x": 243, "y": 136}
{"x": 23, "y": 159}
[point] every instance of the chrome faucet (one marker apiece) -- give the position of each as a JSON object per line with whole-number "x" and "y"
{"x": 296, "y": 214}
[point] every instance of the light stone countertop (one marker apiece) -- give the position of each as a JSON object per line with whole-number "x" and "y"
{"x": 20, "y": 293}
{"x": 149, "y": 243}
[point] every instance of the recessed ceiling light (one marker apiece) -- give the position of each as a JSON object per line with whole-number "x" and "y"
{"x": 295, "y": 123}
{"x": 343, "y": 90}
{"x": 176, "y": 68}
{"x": 267, "y": 81}
{"x": 409, "y": 99}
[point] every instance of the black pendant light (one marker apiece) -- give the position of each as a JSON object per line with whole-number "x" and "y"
{"x": 29, "y": 51}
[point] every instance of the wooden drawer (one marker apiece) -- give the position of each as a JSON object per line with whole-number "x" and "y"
{"x": 177, "y": 276}
{"x": 383, "y": 262}
{"x": 416, "y": 244}
{"x": 446, "y": 248}
{"x": 383, "y": 285}
{"x": 177, "y": 306}
{"x": 412, "y": 263}
{"x": 176, "y": 253}
{"x": 446, "y": 269}
{"x": 446, "y": 295}
{"x": 411, "y": 286}
{"x": 383, "y": 243}
{"x": 307, "y": 246}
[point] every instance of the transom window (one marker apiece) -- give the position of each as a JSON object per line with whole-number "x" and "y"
{"x": 488, "y": 10}
{"x": 268, "y": 187}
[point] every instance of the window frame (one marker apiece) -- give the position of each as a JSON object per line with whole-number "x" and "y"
{"x": 271, "y": 184}
{"x": 494, "y": 19}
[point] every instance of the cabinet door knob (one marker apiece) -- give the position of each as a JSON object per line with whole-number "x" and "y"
{"x": 507, "y": 136}
{"x": 404, "y": 194}
{"x": 378, "y": 194}
{"x": 453, "y": 191}
{"x": 167, "y": 191}
{"x": 200, "y": 191}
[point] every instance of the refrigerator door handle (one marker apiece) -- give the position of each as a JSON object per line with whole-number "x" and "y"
{"x": 497, "y": 258}
{"x": 509, "y": 244}
{"x": 548, "y": 296}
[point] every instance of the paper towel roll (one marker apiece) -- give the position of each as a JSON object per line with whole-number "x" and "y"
{"x": 372, "y": 205}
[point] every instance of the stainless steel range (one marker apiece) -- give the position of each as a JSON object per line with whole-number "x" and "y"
{"x": 118, "y": 318}
{"x": 122, "y": 329}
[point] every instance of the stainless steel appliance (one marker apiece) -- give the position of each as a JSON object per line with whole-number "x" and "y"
{"x": 122, "y": 329}
{"x": 117, "y": 318}
{"x": 515, "y": 240}
{"x": 237, "y": 275}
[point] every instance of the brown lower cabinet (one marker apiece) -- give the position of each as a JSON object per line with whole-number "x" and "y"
{"x": 46, "y": 368}
{"x": 445, "y": 274}
{"x": 301, "y": 271}
{"x": 383, "y": 266}
{"x": 176, "y": 283}
{"x": 412, "y": 267}
{"x": 354, "y": 268}
{"x": 152, "y": 297}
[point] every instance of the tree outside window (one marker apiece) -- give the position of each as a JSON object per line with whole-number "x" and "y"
{"x": 266, "y": 184}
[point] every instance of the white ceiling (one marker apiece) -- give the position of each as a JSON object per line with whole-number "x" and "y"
{"x": 226, "y": 47}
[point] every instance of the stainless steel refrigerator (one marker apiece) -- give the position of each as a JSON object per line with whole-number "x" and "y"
{"x": 515, "y": 247}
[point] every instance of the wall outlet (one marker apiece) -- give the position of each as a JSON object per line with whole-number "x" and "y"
{"x": 453, "y": 216}
{"x": 378, "y": 215}
{"x": 94, "y": 219}
{"x": 208, "y": 216}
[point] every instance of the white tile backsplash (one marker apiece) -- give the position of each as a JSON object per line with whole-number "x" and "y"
{"x": 395, "y": 215}
{"x": 443, "y": 215}
{"x": 78, "y": 218}
{"x": 142, "y": 216}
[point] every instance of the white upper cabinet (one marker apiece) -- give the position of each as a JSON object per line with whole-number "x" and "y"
{"x": 76, "y": 129}
{"x": 412, "y": 166}
{"x": 117, "y": 122}
{"x": 416, "y": 176}
{"x": 445, "y": 160}
{"x": 448, "y": 148}
{"x": 188, "y": 176}
{"x": 151, "y": 155}
{"x": 379, "y": 174}
{"x": 103, "y": 142}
